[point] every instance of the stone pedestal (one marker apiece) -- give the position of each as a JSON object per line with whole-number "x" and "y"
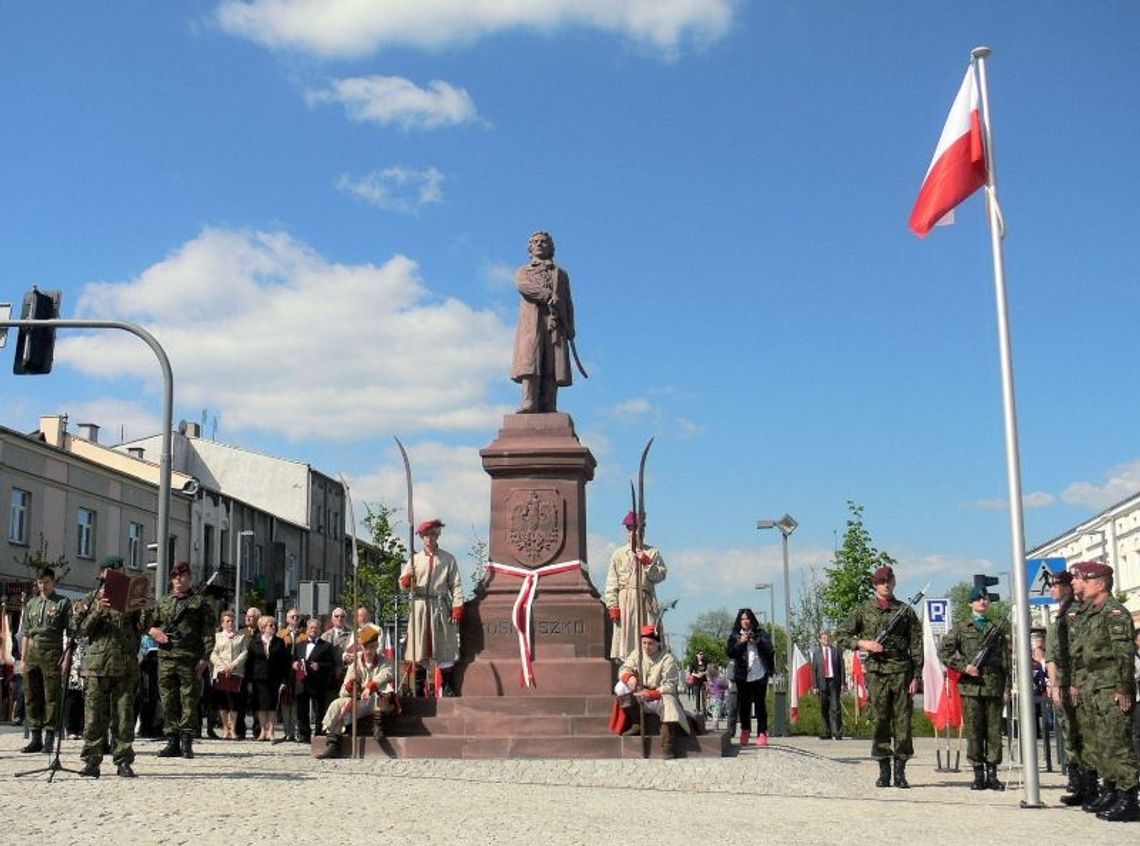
{"x": 539, "y": 472}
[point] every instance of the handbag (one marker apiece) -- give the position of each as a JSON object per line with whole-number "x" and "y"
{"x": 228, "y": 683}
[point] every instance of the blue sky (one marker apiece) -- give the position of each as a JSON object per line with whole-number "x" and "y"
{"x": 317, "y": 211}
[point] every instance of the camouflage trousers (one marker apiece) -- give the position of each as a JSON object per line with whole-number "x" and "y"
{"x": 1107, "y": 733}
{"x": 892, "y": 708}
{"x": 41, "y": 687}
{"x": 982, "y": 725}
{"x": 180, "y": 687}
{"x": 109, "y": 702}
{"x": 1070, "y": 730}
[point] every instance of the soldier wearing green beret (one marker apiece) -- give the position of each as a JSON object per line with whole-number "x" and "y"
{"x": 1102, "y": 691}
{"x": 892, "y": 668}
{"x": 46, "y": 617}
{"x": 183, "y": 626}
{"x": 111, "y": 672}
{"x": 979, "y": 650}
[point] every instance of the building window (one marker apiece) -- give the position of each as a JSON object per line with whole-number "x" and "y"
{"x": 86, "y": 546}
{"x": 18, "y": 525}
{"x": 134, "y": 545}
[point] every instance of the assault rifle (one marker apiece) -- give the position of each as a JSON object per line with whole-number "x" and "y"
{"x": 991, "y": 639}
{"x": 886, "y": 637}
{"x": 182, "y": 606}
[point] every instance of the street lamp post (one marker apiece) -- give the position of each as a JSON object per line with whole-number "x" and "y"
{"x": 786, "y": 524}
{"x": 771, "y": 588}
{"x": 246, "y": 548}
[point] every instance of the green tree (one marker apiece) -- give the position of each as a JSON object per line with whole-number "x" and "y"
{"x": 377, "y": 587}
{"x": 478, "y": 554}
{"x": 35, "y": 560}
{"x": 960, "y": 604}
{"x": 709, "y": 633}
{"x": 849, "y": 581}
{"x": 809, "y": 615}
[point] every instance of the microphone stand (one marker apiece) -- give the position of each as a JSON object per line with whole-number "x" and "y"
{"x": 54, "y": 766}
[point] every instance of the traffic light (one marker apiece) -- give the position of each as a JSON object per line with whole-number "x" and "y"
{"x": 35, "y": 348}
{"x": 983, "y": 581}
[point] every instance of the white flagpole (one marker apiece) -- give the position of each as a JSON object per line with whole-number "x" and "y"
{"x": 1027, "y": 718}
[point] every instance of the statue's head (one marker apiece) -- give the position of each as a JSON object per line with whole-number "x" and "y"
{"x": 541, "y": 245}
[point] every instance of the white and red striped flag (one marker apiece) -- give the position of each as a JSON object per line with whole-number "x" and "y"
{"x": 800, "y": 680}
{"x": 859, "y": 680}
{"x": 958, "y": 168}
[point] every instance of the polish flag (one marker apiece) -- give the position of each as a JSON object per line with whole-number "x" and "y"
{"x": 389, "y": 651}
{"x": 958, "y": 168}
{"x": 859, "y": 679}
{"x": 801, "y": 680}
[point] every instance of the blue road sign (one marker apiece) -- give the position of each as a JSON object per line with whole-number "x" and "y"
{"x": 1037, "y": 572}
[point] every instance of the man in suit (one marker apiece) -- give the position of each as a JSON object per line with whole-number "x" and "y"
{"x": 314, "y": 663}
{"x": 827, "y": 681}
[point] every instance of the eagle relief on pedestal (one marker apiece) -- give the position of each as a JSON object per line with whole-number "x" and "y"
{"x": 535, "y": 524}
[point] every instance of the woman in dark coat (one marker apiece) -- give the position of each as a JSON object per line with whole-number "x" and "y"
{"x": 266, "y": 667}
{"x": 751, "y": 651}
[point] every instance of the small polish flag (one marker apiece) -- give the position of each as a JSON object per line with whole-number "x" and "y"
{"x": 958, "y": 168}
{"x": 801, "y": 680}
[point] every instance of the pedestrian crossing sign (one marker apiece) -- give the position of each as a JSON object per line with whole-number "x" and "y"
{"x": 1038, "y": 573}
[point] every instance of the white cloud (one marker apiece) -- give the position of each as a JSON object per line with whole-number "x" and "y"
{"x": 260, "y": 327}
{"x": 448, "y": 482}
{"x": 690, "y": 429}
{"x": 121, "y": 420}
{"x": 353, "y": 28}
{"x": 393, "y": 100}
{"x": 499, "y": 276}
{"x": 1037, "y": 499}
{"x": 631, "y": 409}
{"x": 1123, "y": 482}
{"x": 396, "y": 188}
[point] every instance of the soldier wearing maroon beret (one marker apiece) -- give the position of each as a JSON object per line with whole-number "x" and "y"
{"x": 437, "y": 609}
{"x": 1102, "y": 691}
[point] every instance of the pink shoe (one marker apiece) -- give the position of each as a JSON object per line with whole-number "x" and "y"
{"x": 745, "y": 736}
{"x": 761, "y": 739}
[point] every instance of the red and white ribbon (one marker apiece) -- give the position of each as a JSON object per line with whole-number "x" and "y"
{"x": 521, "y": 613}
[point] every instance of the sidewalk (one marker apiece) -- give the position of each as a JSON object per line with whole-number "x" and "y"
{"x": 797, "y": 790}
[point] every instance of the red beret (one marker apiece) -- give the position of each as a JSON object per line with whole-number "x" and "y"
{"x": 650, "y": 631}
{"x": 427, "y": 525}
{"x": 630, "y": 520}
{"x": 180, "y": 567}
{"x": 1090, "y": 570}
{"x": 1062, "y": 578}
{"x": 882, "y": 575}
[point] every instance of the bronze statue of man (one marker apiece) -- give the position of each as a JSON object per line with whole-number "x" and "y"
{"x": 545, "y": 329}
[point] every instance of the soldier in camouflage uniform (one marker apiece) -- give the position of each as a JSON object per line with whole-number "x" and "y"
{"x": 182, "y": 657}
{"x": 45, "y": 619}
{"x": 111, "y": 672}
{"x": 892, "y": 669}
{"x": 1058, "y": 663}
{"x": 984, "y": 686}
{"x": 1101, "y": 644}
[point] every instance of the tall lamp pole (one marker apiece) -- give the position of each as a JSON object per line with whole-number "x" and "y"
{"x": 771, "y": 588}
{"x": 786, "y": 524}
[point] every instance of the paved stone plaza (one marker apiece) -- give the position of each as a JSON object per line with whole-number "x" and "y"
{"x": 800, "y": 791}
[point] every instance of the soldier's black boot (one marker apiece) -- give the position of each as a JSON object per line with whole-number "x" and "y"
{"x": 188, "y": 745}
{"x": 979, "y": 777}
{"x": 1124, "y": 809}
{"x": 421, "y": 680}
{"x": 448, "y": 687}
{"x": 1089, "y": 787}
{"x": 1104, "y": 798}
{"x": 992, "y": 782}
{"x": 378, "y": 733}
{"x": 36, "y": 744}
{"x": 124, "y": 770}
{"x": 332, "y": 747}
{"x": 1075, "y": 792}
{"x": 90, "y": 769}
{"x": 172, "y": 749}
{"x": 49, "y": 741}
{"x": 900, "y": 774}
{"x": 669, "y": 732}
{"x": 884, "y": 779}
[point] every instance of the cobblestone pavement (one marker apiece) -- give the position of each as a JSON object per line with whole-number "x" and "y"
{"x": 797, "y": 790}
